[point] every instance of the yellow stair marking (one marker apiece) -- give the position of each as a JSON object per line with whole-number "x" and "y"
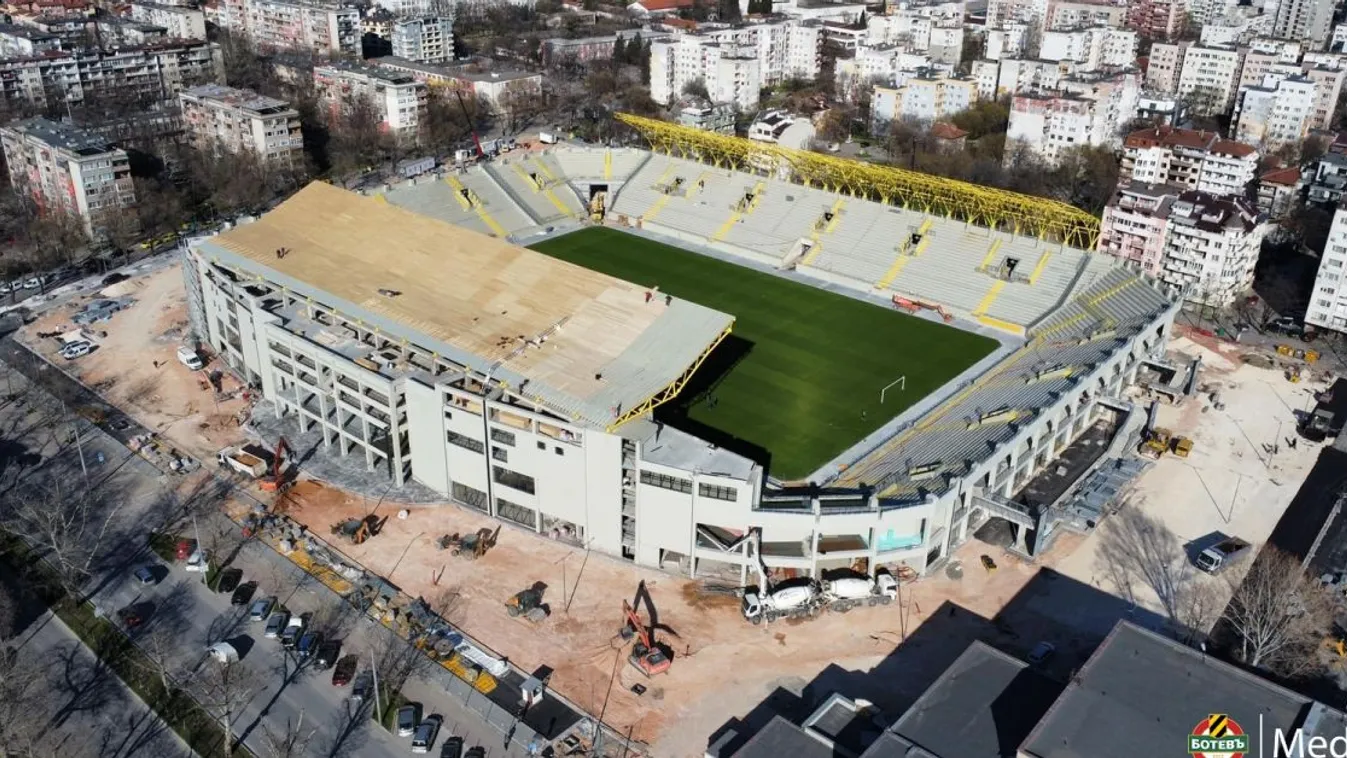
{"x": 542, "y": 190}
{"x": 490, "y": 222}
{"x": 382, "y": 198}
{"x": 903, "y": 257}
{"x": 530, "y": 181}
{"x": 458, "y": 191}
{"x": 664, "y": 177}
{"x": 551, "y": 177}
{"x": 991, "y": 253}
{"x": 1004, "y": 326}
{"x": 1042, "y": 264}
{"x": 734, "y": 217}
{"x": 817, "y": 247}
{"x": 992, "y": 293}
{"x": 608, "y": 164}
{"x": 687, "y": 190}
{"x": 837, "y": 217}
{"x": 656, "y": 207}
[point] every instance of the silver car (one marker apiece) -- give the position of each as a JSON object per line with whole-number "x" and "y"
{"x": 408, "y": 716}
{"x": 275, "y": 624}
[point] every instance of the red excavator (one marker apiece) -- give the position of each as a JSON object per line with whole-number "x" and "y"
{"x": 647, "y": 658}
{"x": 274, "y": 483}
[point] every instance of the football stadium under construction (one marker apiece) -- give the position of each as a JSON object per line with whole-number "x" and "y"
{"x": 915, "y": 352}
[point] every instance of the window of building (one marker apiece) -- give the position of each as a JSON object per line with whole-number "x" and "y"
{"x": 542, "y": 445}
{"x": 664, "y": 481}
{"x": 559, "y": 450}
{"x": 512, "y": 479}
{"x": 500, "y": 454}
{"x": 502, "y": 436}
{"x": 718, "y": 492}
{"x": 515, "y": 512}
{"x": 468, "y": 496}
{"x": 467, "y": 443}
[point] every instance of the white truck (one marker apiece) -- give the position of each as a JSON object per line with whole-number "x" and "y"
{"x": 242, "y": 461}
{"x": 1223, "y": 555}
{"x": 797, "y": 601}
{"x": 842, "y": 595}
{"x": 188, "y": 357}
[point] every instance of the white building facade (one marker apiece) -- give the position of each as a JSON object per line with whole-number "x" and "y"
{"x": 427, "y": 39}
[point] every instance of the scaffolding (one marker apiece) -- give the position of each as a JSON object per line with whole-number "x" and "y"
{"x": 996, "y": 209}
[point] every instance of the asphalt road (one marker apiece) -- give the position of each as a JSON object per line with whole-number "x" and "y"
{"x": 184, "y": 617}
{"x": 93, "y": 712}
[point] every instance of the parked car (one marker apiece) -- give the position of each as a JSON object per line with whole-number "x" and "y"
{"x": 293, "y": 629}
{"x": 229, "y": 580}
{"x": 261, "y": 608}
{"x": 114, "y": 278}
{"x": 243, "y": 593}
{"x": 32, "y": 283}
{"x": 131, "y": 616}
{"x": 327, "y": 653}
{"x": 197, "y": 561}
{"x": 344, "y": 671}
{"x": 276, "y": 624}
{"x": 76, "y": 349}
{"x": 145, "y": 575}
{"x": 363, "y": 686}
{"x": 1288, "y": 325}
{"x": 1042, "y": 653}
{"x": 452, "y": 747}
{"x": 426, "y": 732}
{"x": 224, "y": 652}
{"x": 308, "y": 644}
{"x": 408, "y": 717}
{"x": 475, "y": 752}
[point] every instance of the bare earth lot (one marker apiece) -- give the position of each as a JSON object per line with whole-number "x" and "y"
{"x": 1136, "y": 565}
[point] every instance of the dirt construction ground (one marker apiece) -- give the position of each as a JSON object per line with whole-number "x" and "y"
{"x": 1237, "y": 481}
{"x": 135, "y": 366}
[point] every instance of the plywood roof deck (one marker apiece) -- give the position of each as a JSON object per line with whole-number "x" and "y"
{"x": 480, "y": 295}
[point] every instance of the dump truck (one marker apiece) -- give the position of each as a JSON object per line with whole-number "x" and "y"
{"x": 1223, "y": 555}
{"x": 849, "y": 592}
{"x": 238, "y": 459}
{"x": 1330, "y": 410}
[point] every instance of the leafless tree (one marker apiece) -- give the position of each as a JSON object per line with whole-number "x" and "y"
{"x": 24, "y": 691}
{"x": 292, "y": 742}
{"x": 70, "y": 527}
{"x": 1279, "y": 614}
{"x": 161, "y": 642}
{"x": 223, "y": 689}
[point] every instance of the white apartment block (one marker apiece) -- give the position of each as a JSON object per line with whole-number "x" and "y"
{"x": 1087, "y": 110}
{"x": 397, "y": 98}
{"x": 228, "y": 120}
{"x": 1003, "y": 12}
{"x": 1084, "y": 14}
{"x": 1338, "y": 43}
{"x": 180, "y": 22}
{"x": 409, "y": 8}
{"x": 1308, "y": 20}
{"x": 1210, "y": 78}
{"x": 1092, "y": 49}
{"x": 64, "y": 169}
{"x": 735, "y": 63}
{"x": 322, "y": 26}
{"x": 1236, "y": 27}
{"x": 1017, "y": 75}
{"x": 22, "y": 41}
{"x": 910, "y": 30}
{"x": 1212, "y": 246}
{"x": 493, "y": 86}
{"x": 1007, "y": 41}
{"x": 1133, "y": 225}
{"x": 1328, "y": 301}
{"x": 1188, "y": 159}
{"x": 153, "y": 73}
{"x": 921, "y": 98}
{"x": 1278, "y": 113}
{"x": 1165, "y": 66}
{"x": 429, "y": 39}
{"x": 883, "y": 65}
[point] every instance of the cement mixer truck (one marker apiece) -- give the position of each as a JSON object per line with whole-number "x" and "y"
{"x": 797, "y": 601}
{"x": 842, "y": 595}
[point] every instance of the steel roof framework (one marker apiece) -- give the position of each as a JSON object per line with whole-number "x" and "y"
{"x": 984, "y": 206}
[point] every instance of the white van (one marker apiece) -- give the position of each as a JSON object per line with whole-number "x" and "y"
{"x": 189, "y": 358}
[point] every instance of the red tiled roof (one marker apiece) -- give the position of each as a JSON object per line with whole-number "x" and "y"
{"x": 665, "y": 5}
{"x": 946, "y": 130}
{"x": 1231, "y": 147}
{"x": 1288, "y": 177}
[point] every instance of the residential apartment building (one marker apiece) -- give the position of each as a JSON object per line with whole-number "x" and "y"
{"x": 429, "y": 39}
{"x": 559, "y": 49}
{"x": 1091, "y": 49}
{"x": 1157, "y": 19}
{"x": 735, "y": 63}
{"x": 1278, "y": 113}
{"x": 146, "y": 74}
{"x": 68, "y": 170}
{"x": 923, "y": 98}
{"x": 327, "y": 27}
{"x": 1210, "y": 78}
{"x": 397, "y": 98}
{"x": 1165, "y": 66}
{"x": 1081, "y": 14}
{"x": 1017, "y": 75}
{"x": 180, "y": 22}
{"x": 1006, "y": 41}
{"x": 227, "y": 120}
{"x": 1133, "y": 224}
{"x": 1328, "y": 301}
{"x": 1086, "y": 110}
{"x": 1308, "y": 20}
{"x": 1240, "y": 25}
{"x": 495, "y": 86}
{"x": 1188, "y": 159}
{"x": 1278, "y": 190}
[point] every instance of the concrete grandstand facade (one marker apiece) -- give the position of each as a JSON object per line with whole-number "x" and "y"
{"x": 1076, "y": 329}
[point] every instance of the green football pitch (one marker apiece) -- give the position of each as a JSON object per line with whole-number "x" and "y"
{"x": 799, "y": 379}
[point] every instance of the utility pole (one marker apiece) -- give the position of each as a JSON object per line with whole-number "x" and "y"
{"x": 378, "y": 705}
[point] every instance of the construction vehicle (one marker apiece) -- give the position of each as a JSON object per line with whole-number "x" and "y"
{"x": 1223, "y": 555}
{"x": 529, "y": 604}
{"x": 240, "y": 460}
{"x": 1329, "y": 412}
{"x": 1182, "y": 446}
{"x": 467, "y": 117}
{"x": 357, "y": 530}
{"x": 1157, "y": 442}
{"x": 275, "y": 482}
{"x": 597, "y": 206}
{"x": 645, "y": 656}
{"x": 768, "y": 602}
{"x": 912, "y": 306}
{"x": 469, "y": 546}
{"x": 843, "y": 594}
